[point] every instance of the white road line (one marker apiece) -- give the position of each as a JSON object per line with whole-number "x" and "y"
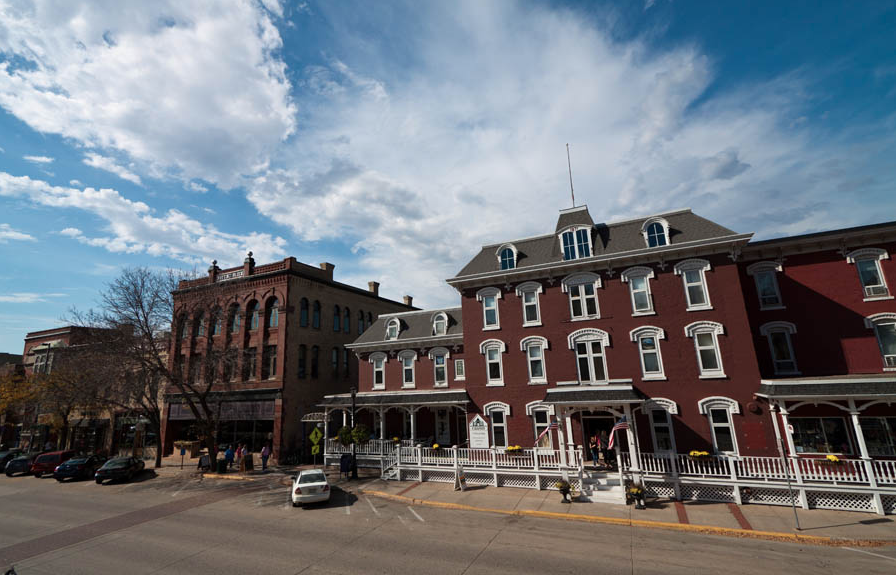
{"x": 371, "y": 506}
{"x": 415, "y": 514}
{"x": 400, "y": 518}
{"x": 870, "y": 553}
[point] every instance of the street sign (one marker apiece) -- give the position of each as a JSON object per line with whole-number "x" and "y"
{"x": 183, "y": 451}
{"x": 315, "y": 449}
{"x": 315, "y": 436}
{"x": 479, "y": 432}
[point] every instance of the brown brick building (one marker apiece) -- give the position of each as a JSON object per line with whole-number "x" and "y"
{"x": 279, "y": 333}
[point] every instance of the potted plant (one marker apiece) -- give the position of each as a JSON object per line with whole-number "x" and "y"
{"x": 831, "y": 460}
{"x": 513, "y": 450}
{"x": 436, "y": 446}
{"x": 698, "y": 455}
{"x": 396, "y": 440}
{"x": 564, "y": 488}
{"x": 636, "y": 493}
{"x": 344, "y": 435}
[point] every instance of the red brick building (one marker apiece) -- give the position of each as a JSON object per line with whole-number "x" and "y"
{"x": 270, "y": 340}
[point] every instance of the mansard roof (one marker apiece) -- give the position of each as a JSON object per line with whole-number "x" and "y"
{"x": 609, "y": 240}
{"x": 415, "y": 328}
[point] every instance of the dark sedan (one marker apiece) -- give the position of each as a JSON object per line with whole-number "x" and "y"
{"x": 20, "y": 464}
{"x": 79, "y": 468}
{"x": 119, "y": 468}
{"x": 7, "y": 456}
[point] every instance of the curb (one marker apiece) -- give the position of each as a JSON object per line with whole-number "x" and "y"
{"x": 229, "y": 477}
{"x": 703, "y": 529}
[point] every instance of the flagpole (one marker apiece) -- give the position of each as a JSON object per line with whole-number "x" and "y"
{"x": 569, "y": 165}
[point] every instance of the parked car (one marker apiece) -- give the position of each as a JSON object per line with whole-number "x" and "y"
{"x": 79, "y": 468}
{"x": 119, "y": 468}
{"x": 47, "y": 462}
{"x": 310, "y": 486}
{"x": 7, "y": 456}
{"x": 21, "y": 464}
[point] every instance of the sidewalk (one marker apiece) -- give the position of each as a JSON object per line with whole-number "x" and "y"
{"x": 819, "y": 526}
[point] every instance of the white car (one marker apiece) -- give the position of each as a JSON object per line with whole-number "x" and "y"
{"x": 310, "y": 486}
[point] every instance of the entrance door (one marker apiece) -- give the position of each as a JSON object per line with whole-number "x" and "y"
{"x": 600, "y": 423}
{"x": 443, "y": 429}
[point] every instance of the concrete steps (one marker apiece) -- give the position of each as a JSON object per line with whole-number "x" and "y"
{"x": 602, "y": 487}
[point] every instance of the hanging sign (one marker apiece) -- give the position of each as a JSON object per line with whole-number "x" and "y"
{"x": 479, "y": 432}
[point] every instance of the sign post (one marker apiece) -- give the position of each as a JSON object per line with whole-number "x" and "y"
{"x": 315, "y": 437}
{"x": 183, "y": 451}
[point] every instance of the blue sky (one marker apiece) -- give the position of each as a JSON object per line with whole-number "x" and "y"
{"x": 394, "y": 139}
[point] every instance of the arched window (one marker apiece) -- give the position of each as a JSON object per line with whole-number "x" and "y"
{"x": 315, "y": 315}
{"x": 507, "y": 258}
{"x": 337, "y": 316}
{"x": 780, "y": 345}
{"x": 439, "y": 357}
{"x": 360, "y": 322}
{"x": 253, "y": 315}
{"x": 369, "y": 320}
{"x": 347, "y": 323}
{"x": 392, "y": 328}
{"x": 884, "y": 326}
{"x": 303, "y": 312}
{"x": 591, "y": 360}
{"x": 234, "y": 318}
{"x": 378, "y": 360}
{"x": 315, "y": 361}
{"x": 656, "y": 235}
{"x": 648, "y": 339}
{"x": 534, "y": 347}
{"x": 273, "y": 313}
{"x": 498, "y": 413}
{"x": 183, "y": 327}
{"x": 199, "y": 324}
{"x": 217, "y": 321}
{"x": 493, "y": 349}
{"x": 706, "y": 341}
{"x": 440, "y": 324}
{"x": 719, "y": 411}
{"x": 407, "y": 358}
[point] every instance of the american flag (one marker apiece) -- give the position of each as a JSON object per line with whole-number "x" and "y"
{"x": 621, "y": 424}
{"x": 552, "y": 425}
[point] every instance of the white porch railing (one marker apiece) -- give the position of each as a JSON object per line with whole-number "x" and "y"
{"x": 372, "y": 447}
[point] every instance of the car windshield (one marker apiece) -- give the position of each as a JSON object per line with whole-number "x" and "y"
{"x": 47, "y": 458}
{"x": 116, "y": 464}
{"x": 313, "y": 477}
{"x": 76, "y": 461}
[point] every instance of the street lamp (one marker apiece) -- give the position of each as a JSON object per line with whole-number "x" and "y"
{"x": 354, "y": 462}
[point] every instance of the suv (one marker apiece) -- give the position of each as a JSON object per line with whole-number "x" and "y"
{"x": 47, "y": 462}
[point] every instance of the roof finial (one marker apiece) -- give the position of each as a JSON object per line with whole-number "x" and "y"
{"x": 569, "y": 164}
{"x": 250, "y": 254}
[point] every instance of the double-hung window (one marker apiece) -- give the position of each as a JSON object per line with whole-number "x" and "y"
{"x": 489, "y": 298}
{"x": 661, "y": 429}
{"x": 498, "y": 412}
{"x": 780, "y": 346}
{"x": 493, "y": 351}
{"x": 706, "y": 343}
{"x": 590, "y": 349}
{"x": 647, "y": 338}
{"x": 693, "y": 275}
{"x": 719, "y": 410}
{"x": 884, "y": 325}
{"x": 766, "y": 280}
{"x": 541, "y": 419}
{"x": 459, "y": 370}
{"x": 638, "y": 280}
{"x": 439, "y": 357}
{"x": 871, "y": 275}
{"x": 534, "y": 348}
{"x": 407, "y": 358}
{"x": 378, "y": 361}
{"x": 528, "y": 293}
{"x": 582, "y": 289}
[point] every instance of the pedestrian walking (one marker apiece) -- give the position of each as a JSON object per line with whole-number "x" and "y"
{"x": 228, "y": 456}
{"x": 265, "y": 453}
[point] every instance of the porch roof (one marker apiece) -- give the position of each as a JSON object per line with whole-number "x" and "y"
{"x": 592, "y": 395}
{"x": 843, "y": 386}
{"x": 384, "y": 398}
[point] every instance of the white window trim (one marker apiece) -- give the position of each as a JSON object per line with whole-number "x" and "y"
{"x": 657, "y": 333}
{"x": 694, "y": 264}
{"x": 755, "y": 269}
{"x": 464, "y": 369}
{"x": 435, "y": 317}
{"x": 412, "y": 355}
{"x": 372, "y": 358}
{"x": 397, "y": 323}
{"x": 691, "y": 330}
{"x": 787, "y": 328}
{"x": 583, "y": 278}
{"x": 718, "y": 402}
{"x": 480, "y": 296}
{"x": 575, "y": 244}
{"x": 436, "y": 351}
{"x": 671, "y": 408}
{"x": 525, "y": 344}
{"x": 590, "y": 334}
{"x": 487, "y": 409}
{"x": 512, "y": 248}
{"x": 878, "y": 255}
{"x": 871, "y": 322}
{"x": 530, "y": 287}
{"x": 483, "y": 349}
{"x": 637, "y": 272}
{"x": 655, "y": 220}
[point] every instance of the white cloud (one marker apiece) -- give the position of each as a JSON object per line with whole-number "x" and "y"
{"x": 75, "y": 183}
{"x": 7, "y": 233}
{"x": 38, "y": 159}
{"x": 28, "y": 297}
{"x": 131, "y": 227}
{"x": 109, "y": 165}
{"x": 187, "y": 90}
{"x": 196, "y": 187}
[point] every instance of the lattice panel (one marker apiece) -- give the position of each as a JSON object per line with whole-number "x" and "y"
{"x": 438, "y": 476}
{"x": 842, "y": 501}
{"x": 409, "y": 475}
{"x": 764, "y": 496}
{"x": 525, "y": 481}
{"x": 707, "y": 492}
{"x": 889, "y": 502}
{"x": 660, "y": 489}
{"x": 478, "y": 478}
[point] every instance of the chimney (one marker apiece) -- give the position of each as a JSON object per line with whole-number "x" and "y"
{"x": 408, "y": 301}
{"x": 328, "y": 269}
{"x": 374, "y": 288}
{"x": 213, "y": 271}
{"x": 248, "y": 265}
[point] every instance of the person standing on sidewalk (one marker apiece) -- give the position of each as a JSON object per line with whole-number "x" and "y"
{"x": 265, "y": 453}
{"x": 228, "y": 456}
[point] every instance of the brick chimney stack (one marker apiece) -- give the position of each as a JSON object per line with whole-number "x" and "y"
{"x": 408, "y": 301}
{"x": 374, "y": 288}
{"x": 328, "y": 269}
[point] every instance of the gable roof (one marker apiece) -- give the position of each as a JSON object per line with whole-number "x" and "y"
{"x": 414, "y": 327}
{"x": 608, "y": 239}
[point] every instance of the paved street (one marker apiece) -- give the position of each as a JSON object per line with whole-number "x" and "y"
{"x": 177, "y": 524}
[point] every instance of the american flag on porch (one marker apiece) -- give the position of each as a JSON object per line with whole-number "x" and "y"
{"x": 621, "y": 424}
{"x": 552, "y": 425}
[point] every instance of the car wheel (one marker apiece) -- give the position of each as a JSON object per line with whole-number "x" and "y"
{"x": 296, "y": 504}
{"x": 38, "y": 474}
{"x": 99, "y": 481}
{"x": 9, "y": 473}
{"x": 59, "y": 479}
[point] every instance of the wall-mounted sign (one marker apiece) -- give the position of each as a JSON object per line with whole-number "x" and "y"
{"x": 479, "y": 433}
{"x": 230, "y": 275}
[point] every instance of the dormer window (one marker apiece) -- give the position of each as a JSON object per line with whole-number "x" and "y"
{"x": 656, "y": 232}
{"x": 440, "y": 324}
{"x": 576, "y": 243}
{"x": 507, "y": 257}
{"x": 392, "y": 329}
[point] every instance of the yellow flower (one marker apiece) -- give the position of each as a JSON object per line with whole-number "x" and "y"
{"x": 395, "y": 439}
{"x": 435, "y": 445}
{"x": 833, "y": 458}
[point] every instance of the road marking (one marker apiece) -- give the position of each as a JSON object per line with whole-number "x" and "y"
{"x": 870, "y": 553}
{"x": 401, "y": 519}
{"x": 371, "y": 506}
{"x": 415, "y": 514}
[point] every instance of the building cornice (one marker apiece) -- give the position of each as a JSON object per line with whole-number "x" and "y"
{"x": 434, "y": 341}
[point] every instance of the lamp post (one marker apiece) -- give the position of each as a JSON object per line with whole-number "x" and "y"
{"x": 354, "y": 462}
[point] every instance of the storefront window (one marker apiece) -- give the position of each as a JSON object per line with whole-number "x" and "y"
{"x": 880, "y": 435}
{"x": 820, "y": 435}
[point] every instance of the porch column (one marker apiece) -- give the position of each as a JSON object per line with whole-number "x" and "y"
{"x": 344, "y": 418}
{"x": 570, "y": 440}
{"x": 630, "y": 434}
{"x": 412, "y": 411}
{"x": 794, "y": 458}
{"x": 382, "y": 424}
{"x": 866, "y": 459}
{"x": 561, "y": 439}
{"x": 326, "y": 432}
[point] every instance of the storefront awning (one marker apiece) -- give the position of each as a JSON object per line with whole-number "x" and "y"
{"x": 386, "y": 398}
{"x": 581, "y": 395}
{"x": 845, "y": 387}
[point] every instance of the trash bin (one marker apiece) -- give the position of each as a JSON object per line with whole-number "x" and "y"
{"x": 221, "y": 466}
